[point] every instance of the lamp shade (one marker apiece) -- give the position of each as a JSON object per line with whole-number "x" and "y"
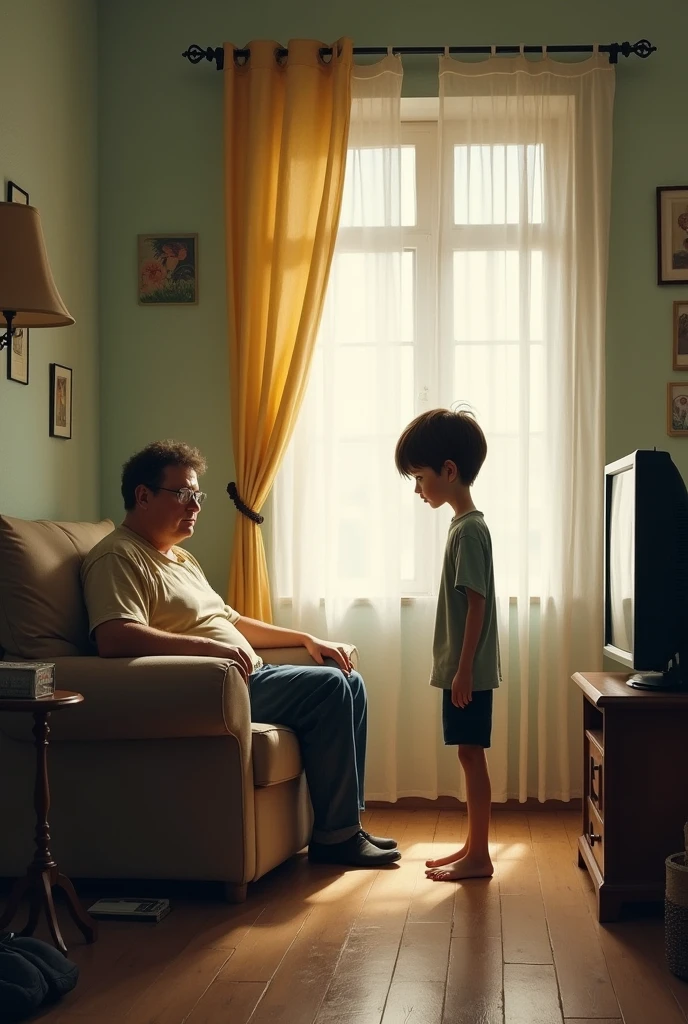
{"x": 26, "y": 281}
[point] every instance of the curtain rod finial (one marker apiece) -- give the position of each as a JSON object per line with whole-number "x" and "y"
{"x": 196, "y": 53}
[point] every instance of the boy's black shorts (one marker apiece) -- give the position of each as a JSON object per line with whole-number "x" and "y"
{"x": 472, "y": 724}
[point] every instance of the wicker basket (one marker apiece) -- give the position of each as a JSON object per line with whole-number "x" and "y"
{"x": 676, "y": 915}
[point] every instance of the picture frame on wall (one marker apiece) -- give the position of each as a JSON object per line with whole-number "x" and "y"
{"x": 680, "y": 336}
{"x": 18, "y": 356}
{"x": 15, "y": 194}
{"x": 677, "y": 409}
{"x": 168, "y": 269}
{"x": 60, "y": 401}
{"x": 672, "y": 234}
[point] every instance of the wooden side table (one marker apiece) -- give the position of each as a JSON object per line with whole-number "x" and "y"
{"x": 43, "y": 872}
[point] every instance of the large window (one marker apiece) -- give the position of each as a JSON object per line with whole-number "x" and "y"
{"x": 464, "y": 323}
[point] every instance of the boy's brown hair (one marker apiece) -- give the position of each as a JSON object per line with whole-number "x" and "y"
{"x": 148, "y": 466}
{"x": 438, "y": 435}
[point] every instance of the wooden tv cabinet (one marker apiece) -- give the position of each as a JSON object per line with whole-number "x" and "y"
{"x": 635, "y": 788}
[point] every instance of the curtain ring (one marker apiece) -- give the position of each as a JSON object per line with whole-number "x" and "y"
{"x": 522, "y": 49}
{"x": 595, "y": 49}
{"x": 544, "y": 50}
{"x": 493, "y": 50}
{"x": 446, "y": 52}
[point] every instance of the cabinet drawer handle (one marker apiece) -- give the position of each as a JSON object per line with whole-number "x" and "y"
{"x": 593, "y": 837}
{"x": 594, "y": 769}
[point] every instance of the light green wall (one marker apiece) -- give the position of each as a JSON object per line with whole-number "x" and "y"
{"x": 48, "y": 146}
{"x": 165, "y": 370}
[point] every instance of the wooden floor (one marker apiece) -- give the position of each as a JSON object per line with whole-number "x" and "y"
{"x": 315, "y": 945}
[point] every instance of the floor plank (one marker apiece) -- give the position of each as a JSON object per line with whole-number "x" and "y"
{"x": 369, "y": 956}
{"x": 530, "y": 995}
{"x": 477, "y": 909}
{"x": 415, "y": 1002}
{"x": 424, "y": 952}
{"x": 227, "y": 1000}
{"x": 584, "y": 982}
{"x": 524, "y": 931}
{"x": 262, "y": 950}
{"x": 304, "y": 975}
{"x": 641, "y": 983}
{"x": 175, "y": 992}
{"x": 474, "y": 982}
{"x": 510, "y": 826}
{"x": 516, "y": 870}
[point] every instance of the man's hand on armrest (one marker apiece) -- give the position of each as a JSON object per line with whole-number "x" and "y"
{"x": 264, "y": 634}
{"x": 119, "y": 638}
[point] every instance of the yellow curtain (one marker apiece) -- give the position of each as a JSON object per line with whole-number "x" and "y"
{"x": 286, "y": 131}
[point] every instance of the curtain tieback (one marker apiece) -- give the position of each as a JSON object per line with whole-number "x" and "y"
{"x": 255, "y": 517}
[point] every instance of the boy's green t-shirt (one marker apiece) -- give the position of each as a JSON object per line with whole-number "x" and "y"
{"x": 467, "y": 563}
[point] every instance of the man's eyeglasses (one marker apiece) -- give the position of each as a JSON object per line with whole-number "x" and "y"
{"x": 185, "y": 495}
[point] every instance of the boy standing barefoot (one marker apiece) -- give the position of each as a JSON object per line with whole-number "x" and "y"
{"x": 443, "y": 451}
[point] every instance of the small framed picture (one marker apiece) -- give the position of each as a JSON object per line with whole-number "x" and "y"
{"x": 60, "y": 401}
{"x": 16, "y": 194}
{"x": 681, "y": 335}
{"x": 168, "y": 270}
{"x": 672, "y": 234}
{"x": 677, "y": 409}
{"x": 18, "y": 356}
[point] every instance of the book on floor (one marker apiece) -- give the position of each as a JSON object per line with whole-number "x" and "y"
{"x": 130, "y": 909}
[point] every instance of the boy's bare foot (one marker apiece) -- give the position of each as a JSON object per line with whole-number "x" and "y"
{"x": 451, "y": 858}
{"x": 467, "y": 867}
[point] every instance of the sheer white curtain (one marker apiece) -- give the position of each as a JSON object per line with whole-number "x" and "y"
{"x": 526, "y": 170}
{"x": 470, "y": 266}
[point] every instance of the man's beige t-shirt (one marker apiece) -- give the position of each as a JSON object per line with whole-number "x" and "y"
{"x": 125, "y": 577}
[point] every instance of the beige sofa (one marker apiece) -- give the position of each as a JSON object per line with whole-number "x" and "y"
{"x": 160, "y": 772}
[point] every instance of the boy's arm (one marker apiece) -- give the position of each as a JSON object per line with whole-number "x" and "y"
{"x": 462, "y": 683}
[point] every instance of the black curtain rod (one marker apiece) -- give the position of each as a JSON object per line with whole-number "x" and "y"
{"x": 643, "y": 48}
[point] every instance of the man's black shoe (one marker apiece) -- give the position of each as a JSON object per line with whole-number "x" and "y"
{"x": 382, "y": 844}
{"x": 356, "y": 852}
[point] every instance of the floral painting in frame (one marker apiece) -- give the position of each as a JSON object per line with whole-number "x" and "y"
{"x": 168, "y": 269}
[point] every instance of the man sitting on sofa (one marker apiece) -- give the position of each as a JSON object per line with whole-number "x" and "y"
{"x": 146, "y": 596}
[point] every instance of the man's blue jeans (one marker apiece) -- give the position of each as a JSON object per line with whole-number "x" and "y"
{"x": 328, "y": 712}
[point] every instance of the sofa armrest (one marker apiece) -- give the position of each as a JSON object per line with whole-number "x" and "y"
{"x": 298, "y": 655}
{"x": 145, "y": 698}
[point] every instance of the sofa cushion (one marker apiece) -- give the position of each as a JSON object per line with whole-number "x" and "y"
{"x": 276, "y": 754}
{"x": 42, "y": 611}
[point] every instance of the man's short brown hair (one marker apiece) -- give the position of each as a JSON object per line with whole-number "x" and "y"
{"x": 148, "y": 466}
{"x": 438, "y": 435}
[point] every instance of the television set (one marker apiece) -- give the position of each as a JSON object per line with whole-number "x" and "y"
{"x": 646, "y": 569}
